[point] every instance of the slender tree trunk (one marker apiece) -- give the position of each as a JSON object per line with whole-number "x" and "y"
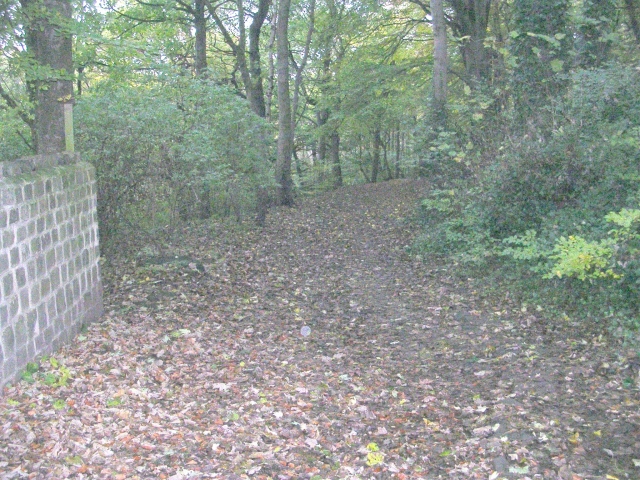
{"x": 49, "y": 44}
{"x": 200, "y": 27}
{"x": 285, "y": 126}
{"x": 397, "y": 163}
{"x": 440, "y": 64}
{"x": 298, "y": 165}
{"x": 249, "y": 69}
{"x": 375, "y": 164}
{"x": 272, "y": 74}
{"x": 241, "y": 52}
{"x": 298, "y": 79}
{"x": 256, "y": 98}
{"x": 335, "y": 159}
{"x": 79, "y": 81}
{"x": 322, "y": 117}
{"x": 385, "y": 156}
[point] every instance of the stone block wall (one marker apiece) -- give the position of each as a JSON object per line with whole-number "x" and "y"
{"x": 49, "y": 272}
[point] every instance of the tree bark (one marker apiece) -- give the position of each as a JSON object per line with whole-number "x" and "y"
{"x": 250, "y": 70}
{"x": 375, "y": 164}
{"x": 285, "y": 125}
{"x": 298, "y": 79}
{"x": 272, "y": 69}
{"x": 200, "y": 27}
{"x": 440, "y": 64}
{"x": 470, "y": 22}
{"x": 322, "y": 118}
{"x": 385, "y": 156}
{"x": 335, "y": 160}
{"x": 49, "y": 44}
{"x": 256, "y": 98}
{"x": 398, "y": 155}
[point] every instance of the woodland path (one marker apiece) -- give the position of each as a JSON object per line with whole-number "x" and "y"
{"x": 407, "y": 373}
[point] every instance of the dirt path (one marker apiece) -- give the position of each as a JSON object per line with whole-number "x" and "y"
{"x": 405, "y": 374}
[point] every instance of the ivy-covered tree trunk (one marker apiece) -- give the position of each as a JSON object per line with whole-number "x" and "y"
{"x": 440, "y": 64}
{"x": 50, "y": 78}
{"x": 632, "y": 12}
{"x": 470, "y": 23}
{"x": 541, "y": 51}
{"x": 285, "y": 125}
{"x": 595, "y": 32}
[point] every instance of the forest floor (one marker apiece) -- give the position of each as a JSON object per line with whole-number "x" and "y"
{"x": 200, "y": 368}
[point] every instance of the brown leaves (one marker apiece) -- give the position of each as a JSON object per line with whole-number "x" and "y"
{"x": 198, "y": 374}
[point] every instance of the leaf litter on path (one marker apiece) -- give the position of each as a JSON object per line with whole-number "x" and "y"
{"x": 316, "y": 348}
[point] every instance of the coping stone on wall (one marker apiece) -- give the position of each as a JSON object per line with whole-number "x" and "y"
{"x": 37, "y": 162}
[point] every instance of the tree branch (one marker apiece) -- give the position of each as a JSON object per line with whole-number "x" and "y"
{"x": 11, "y": 103}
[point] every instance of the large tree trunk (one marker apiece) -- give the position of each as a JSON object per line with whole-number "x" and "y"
{"x": 470, "y": 23}
{"x": 271, "y": 75}
{"x": 49, "y": 44}
{"x": 285, "y": 125}
{"x": 440, "y": 64}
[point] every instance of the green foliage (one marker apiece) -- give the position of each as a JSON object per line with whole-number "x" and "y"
{"x": 588, "y": 167}
{"x": 536, "y": 216}
{"x": 452, "y": 228}
{"x": 169, "y": 151}
{"x": 540, "y": 47}
{"x": 14, "y": 135}
{"x": 608, "y": 270}
{"x": 443, "y": 155}
{"x": 29, "y": 371}
{"x": 576, "y": 257}
{"x": 525, "y": 247}
{"x": 114, "y": 402}
{"x": 58, "y": 377}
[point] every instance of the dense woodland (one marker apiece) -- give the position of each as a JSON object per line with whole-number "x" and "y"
{"x": 342, "y": 239}
{"x": 523, "y": 115}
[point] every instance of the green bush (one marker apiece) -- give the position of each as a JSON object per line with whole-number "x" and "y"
{"x": 452, "y": 228}
{"x": 555, "y": 215}
{"x": 600, "y": 276}
{"x": 590, "y": 165}
{"x": 170, "y": 152}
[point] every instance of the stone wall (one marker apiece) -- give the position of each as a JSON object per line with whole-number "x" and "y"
{"x": 49, "y": 273}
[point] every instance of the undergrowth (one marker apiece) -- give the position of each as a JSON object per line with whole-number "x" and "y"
{"x": 555, "y": 219}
